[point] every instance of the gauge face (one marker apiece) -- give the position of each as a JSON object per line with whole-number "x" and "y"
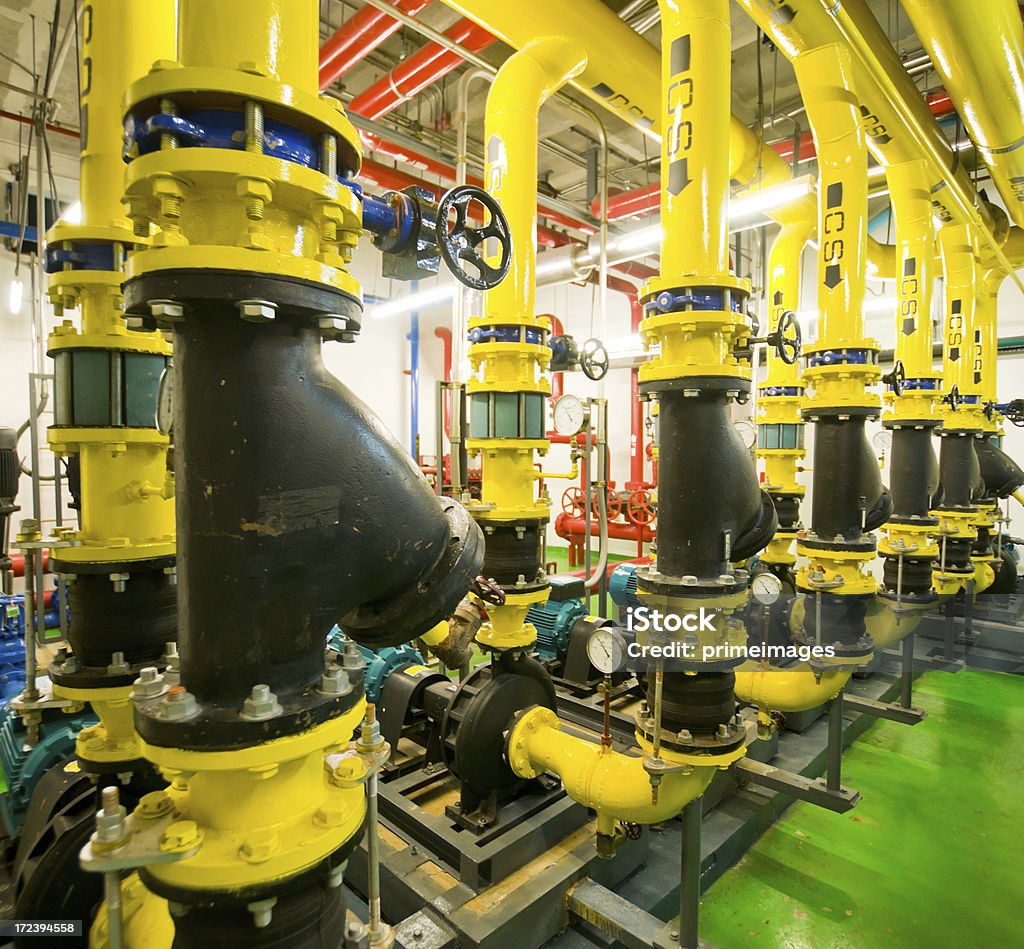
{"x": 570, "y": 415}
{"x": 882, "y": 440}
{"x": 606, "y": 651}
{"x": 747, "y": 432}
{"x": 766, "y": 588}
{"x": 165, "y": 402}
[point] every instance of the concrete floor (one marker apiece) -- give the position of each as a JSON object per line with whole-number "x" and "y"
{"x": 932, "y": 856}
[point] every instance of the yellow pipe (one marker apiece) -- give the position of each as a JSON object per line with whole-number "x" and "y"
{"x": 915, "y": 242}
{"x": 789, "y": 690}
{"x": 695, "y": 41}
{"x": 961, "y": 271}
{"x": 523, "y": 84}
{"x": 887, "y": 626}
{"x": 615, "y": 785}
{"x": 977, "y": 50}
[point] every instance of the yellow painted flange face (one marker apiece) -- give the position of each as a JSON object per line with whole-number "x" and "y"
{"x": 262, "y": 813}
{"x": 913, "y": 405}
{"x": 965, "y": 418}
{"x": 728, "y": 281}
{"x": 779, "y": 550}
{"x": 841, "y": 386}
{"x": 674, "y": 757}
{"x": 955, "y": 526}
{"x": 66, "y": 337}
{"x": 541, "y": 385}
{"x": 113, "y": 738}
{"x": 845, "y": 565}
{"x": 506, "y": 627}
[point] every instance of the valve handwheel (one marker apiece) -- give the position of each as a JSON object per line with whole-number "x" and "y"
{"x": 786, "y": 338}
{"x": 640, "y": 507}
{"x": 613, "y": 504}
{"x": 897, "y": 379}
{"x": 594, "y": 360}
{"x": 573, "y": 502}
{"x": 458, "y": 242}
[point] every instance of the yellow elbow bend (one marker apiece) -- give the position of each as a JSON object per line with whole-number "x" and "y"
{"x": 984, "y": 575}
{"x": 887, "y": 625}
{"x": 789, "y": 690}
{"x": 615, "y": 785}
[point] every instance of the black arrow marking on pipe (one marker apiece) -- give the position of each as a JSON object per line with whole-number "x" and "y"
{"x": 909, "y": 325}
{"x": 834, "y": 195}
{"x": 679, "y": 55}
{"x": 910, "y": 267}
{"x": 678, "y": 176}
{"x": 957, "y": 306}
{"x": 833, "y": 276}
{"x": 777, "y": 299}
{"x": 954, "y": 354}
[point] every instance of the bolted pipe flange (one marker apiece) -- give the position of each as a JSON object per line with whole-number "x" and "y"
{"x": 178, "y": 704}
{"x": 262, "y": 912}
{"x": 335, "y": 681}
{"x": 260, "y": 705}
{"x": 257, "y": 311}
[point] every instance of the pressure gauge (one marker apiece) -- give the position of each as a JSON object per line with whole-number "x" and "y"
{"x": 570, "y": 415}
{"x": 747, "y": 432}
{"x": 606, "y": 650}
{"x": 765, "y": 588}
{"x": 882, "y": 441}
{"x": 165, "y": 401}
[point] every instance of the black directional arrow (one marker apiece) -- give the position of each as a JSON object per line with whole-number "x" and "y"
{"x": 777, "y": 299}
{"x": 882, "y": 139}
{"x": 910, "y": 267}
{"x": 833, "y": 276}
{"x": 954, "y": 353}
{"x": 909, "y": 325}
{"x": 678, "y": 176}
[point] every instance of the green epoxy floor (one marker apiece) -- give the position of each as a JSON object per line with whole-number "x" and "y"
{"x": 933, "y": 856}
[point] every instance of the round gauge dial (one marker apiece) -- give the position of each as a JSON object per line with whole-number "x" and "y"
{"x": 570, "y": 415}
{"x": 882, "y": 441}
{"x": 165, "y": 402}
{"x": 606, "y": 650}
{"x": 765, "y": 588}
{"x": 747, "y": 432}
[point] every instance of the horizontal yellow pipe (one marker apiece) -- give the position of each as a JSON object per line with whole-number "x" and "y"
{"x": 613, "y": 784}
{"x": 788, "y": 690}
{"x": 887, "y": 627}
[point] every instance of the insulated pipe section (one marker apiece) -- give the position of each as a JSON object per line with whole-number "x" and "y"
{"x": 984, "y": 80}
{"x": 848, "y": 498}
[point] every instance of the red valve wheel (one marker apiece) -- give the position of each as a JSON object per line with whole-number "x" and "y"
{"x": 640, "y": 508}
{"x": 614, "y": 505}
{"x": 573, "y": 502}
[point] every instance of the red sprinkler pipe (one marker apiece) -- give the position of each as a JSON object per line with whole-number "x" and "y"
{"x": 18, "y": 563}
{"x": 359, "y": 36}
{"x": 420, "y": 70}
{"x": 567, "y": 527}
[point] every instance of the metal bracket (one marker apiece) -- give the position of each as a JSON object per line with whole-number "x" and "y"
{"x": 146, "y": 841}
{"x": 890, "y": 711}
{"x": 811, "y": 790}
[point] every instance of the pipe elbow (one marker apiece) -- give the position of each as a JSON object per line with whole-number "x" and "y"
{"x": 616, "y": 786}
{"x": 789, "y": 690}
{"x": 984, "y": 575}
{"x": 532, "y": 75}
{"x": 887, "y": 626}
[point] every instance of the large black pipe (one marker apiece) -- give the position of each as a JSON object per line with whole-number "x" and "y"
{"x": 1000, "y": 473}
{"x": 915, "y": 472}
{"x": 710, "y": 508}
{"x": 849, "y": 497}
{"x": 959, "y": 470}
{"x": 296, "y": 510}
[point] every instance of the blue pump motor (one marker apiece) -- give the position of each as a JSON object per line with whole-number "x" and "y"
{"x": 622, "y": 586}
{"x": 380, "y": 663}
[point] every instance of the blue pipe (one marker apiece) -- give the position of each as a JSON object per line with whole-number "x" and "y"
{"x": 414, "y": 376}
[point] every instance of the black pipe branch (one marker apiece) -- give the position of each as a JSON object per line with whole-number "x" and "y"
{"x": 711, "y": 510}
{"x": 1001, "y": 474}
{"x": 849, "y": 498}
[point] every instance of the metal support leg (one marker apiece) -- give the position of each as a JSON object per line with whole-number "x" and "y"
{"x": 689, "y": 882}
{"x": 907, "y": 672}
{"x": 834, "y": 774}
{"x": 949, "y": 632}
{"x": 968, "y": 613}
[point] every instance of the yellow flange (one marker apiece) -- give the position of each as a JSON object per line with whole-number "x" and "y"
{"x": 506, "y": 627}
{"x": 113, "y": 738}
{"x": 260, "y": 813}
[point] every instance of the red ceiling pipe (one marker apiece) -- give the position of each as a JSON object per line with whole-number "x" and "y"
{"x": 420, "y": 70}
{"x": 359, "y": 36}
{"x": 567, "y": 527}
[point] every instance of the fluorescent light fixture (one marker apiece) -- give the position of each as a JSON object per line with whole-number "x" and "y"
{"x": 17, "y": 295}
{"x": 422, "y": 300}
{"x": 72, "y": 213}
{"x": 770, "y": 199}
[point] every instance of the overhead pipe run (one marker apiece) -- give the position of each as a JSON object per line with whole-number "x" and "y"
{"x": 984, "y": 80}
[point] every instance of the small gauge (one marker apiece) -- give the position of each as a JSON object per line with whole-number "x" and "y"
{"x": 747, "y": 432}
{"x": 570, "y": 415}
{"x": 765, "y": 588}
{"x": 165, "y": 401}
{"x": 882, "y": 441}
{"x": 606, "y": 650}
